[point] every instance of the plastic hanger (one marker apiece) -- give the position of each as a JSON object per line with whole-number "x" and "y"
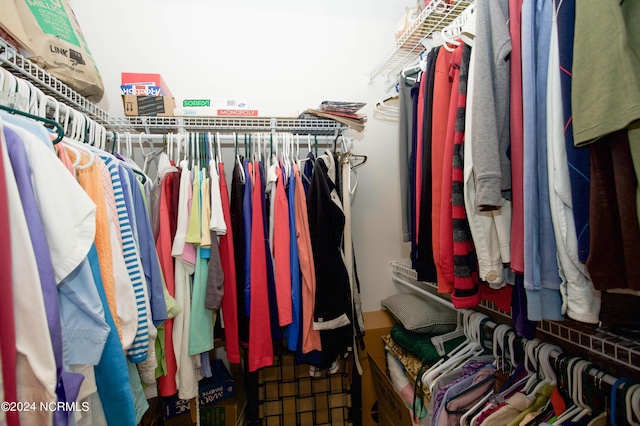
{"x": 243, "y": 177}
{"x": 574, "y": 408}
{"x": 439, "y": 341}
{"x": 614, "y": 397}
{"x": 82, "y": 148}
{"x": 22, "y": 87}
{"x": 217, "y": 141}
{"x": 468, "y": 349}
{"x": 55, "y": 124}
{"x": 583, "y": 371}
{"x": 635, "y": 403}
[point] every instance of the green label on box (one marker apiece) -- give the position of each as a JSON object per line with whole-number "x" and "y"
{"x": 212, "y": 416}
{"x": 196, "y": 103}
{"x": 53, "y": 19}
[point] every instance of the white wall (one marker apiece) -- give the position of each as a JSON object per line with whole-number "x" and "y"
{"x": 284, "y": 56}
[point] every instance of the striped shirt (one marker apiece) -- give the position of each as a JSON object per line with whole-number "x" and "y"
{"x": 138, "y": 351}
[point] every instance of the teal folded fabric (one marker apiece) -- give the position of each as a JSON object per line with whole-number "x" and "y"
{"x": 420, "y": 344}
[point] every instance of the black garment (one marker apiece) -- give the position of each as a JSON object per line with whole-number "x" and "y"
{"x": 425, "y": 265}
{"x": 405, "y": 140}
{"x": 237, "y": 192}
{"x": 333, "y": 290}
{"x": 415, "y": 91}
{"x": 307, "y": 172}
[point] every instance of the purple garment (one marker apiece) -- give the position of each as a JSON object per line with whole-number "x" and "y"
{"x": 148, "y": 256}
{"x": 521, "y": 322}
{"x": 69, "y": 383}
{"x": 246, "y": 222}
{"x": 470, "y": 368}
{"x": 464, "y": 395}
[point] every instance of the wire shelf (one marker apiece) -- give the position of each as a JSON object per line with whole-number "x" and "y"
{"x": 599, "y": 341}
{"x": 434, "y": 17}
{"x": 14, "y": 62}
{"x": 213, "y": 124}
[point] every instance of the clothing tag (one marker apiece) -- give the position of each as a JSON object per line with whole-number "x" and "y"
{"x": 501, "y": 379}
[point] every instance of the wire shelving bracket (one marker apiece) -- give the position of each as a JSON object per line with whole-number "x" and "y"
{"x": 437, "y": 15}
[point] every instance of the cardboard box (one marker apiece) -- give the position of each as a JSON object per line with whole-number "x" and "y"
{"x": 218, "y": 387}
{"x": 376, "y": 324}
{"x": 230, "y": 412}
{"x": 392, "y": 409}
{"x": 145, "y": 79}
{"x": 162, "y": 106}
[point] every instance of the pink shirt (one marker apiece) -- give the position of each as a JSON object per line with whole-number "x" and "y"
{"x": 310, "y": 337}
{"x": 281, "y": 245}
{"x": 441, "y": 95}
{"x": 260, "y": 343}
{"x": 516, "y": 128}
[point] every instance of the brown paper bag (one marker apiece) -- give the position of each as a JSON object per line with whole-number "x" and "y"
{"x": 49, "y": 30}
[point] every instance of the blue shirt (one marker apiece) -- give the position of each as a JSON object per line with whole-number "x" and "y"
{"x": 246, "y": 224}
{"x": 293, "y": 330}
{"x": 541, "y": 277}
{"x": 579, "y": 159}
{"x": 139, "y": 349}
{"x": 112, "y": 377}
{"x": 149, "y": 256}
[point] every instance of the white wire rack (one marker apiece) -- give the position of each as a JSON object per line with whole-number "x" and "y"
{"x": 22, "y": 67}
{"x": 434, "y": 17}
{"x": 598, "y": 341}
{"x": 257, "y": 124}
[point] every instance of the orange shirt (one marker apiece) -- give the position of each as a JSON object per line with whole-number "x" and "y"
{"x": 91, "y": 181}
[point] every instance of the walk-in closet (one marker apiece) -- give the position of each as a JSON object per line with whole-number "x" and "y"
{"x": 279, "y": 213}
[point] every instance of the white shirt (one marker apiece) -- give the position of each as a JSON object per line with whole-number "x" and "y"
{"x": 35, "y": 351}
{"x": 580, "y": 300}
{"x": 217, "y": 222}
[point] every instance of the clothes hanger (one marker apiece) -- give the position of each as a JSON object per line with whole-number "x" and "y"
{"x": 614, "y": 398}
{"x": 76, "y": 149}
{"x": 55, "y": 124}
{"x": 568, "y": 374}
{"x": 212, "y": 151}
{"x": 439, "y": 341}
{"x": 500, "y": 345}
{"x": 219, "y": 152}
{"x": 169, "y": 145}
{"x": 103, "y": 137}
{"x": 73, "y": 124}
{"x": 129, "y": 144}
{"x": 80, "y": 148}
{"x": 602, "y": 418}
{"x": 457, "y": 358}
{"x": 243, "y": 177}
{"x": 587, "y": 409}
{"x": 22, "y": 87}
{"x": 635, "y": 403}
{"x": 428, "y": 375}
{"x": 65, "y": 117}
